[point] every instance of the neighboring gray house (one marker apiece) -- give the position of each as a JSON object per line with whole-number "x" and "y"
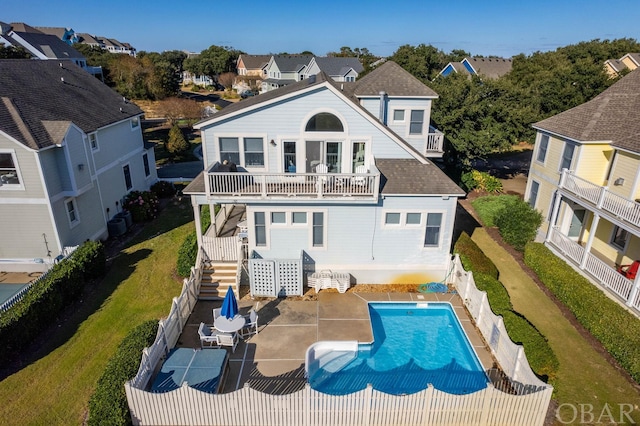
{"x": 329, "y": 182}
{"x": 338, "y": 68}
{"x": 70, "y": 149}
{"x": 282, "y": 70}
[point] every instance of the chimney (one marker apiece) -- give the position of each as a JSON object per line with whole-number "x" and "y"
{"x": 383, "y": 108}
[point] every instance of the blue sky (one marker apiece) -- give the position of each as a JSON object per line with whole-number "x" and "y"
{"x": 503, "y": 28}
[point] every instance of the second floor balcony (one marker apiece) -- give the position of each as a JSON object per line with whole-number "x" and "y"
{"x": 225, "y": 186}
{"x": 601, "y": 198}
{"x": 434, "y": 144}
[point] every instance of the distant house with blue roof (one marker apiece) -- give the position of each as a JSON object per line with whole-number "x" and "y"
{"x": 488, "y": 67}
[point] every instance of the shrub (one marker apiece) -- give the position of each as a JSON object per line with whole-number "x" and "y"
{"x": 163, "y": 189}
{"x": 517, "y": 221}
{"x": 539, "y": 354}
{"x": 48, "y": 298}
{"x": 142, "y": 205}
{"x": 472, "y": 258}
{"x": 177, "y": 143}
{"x": 518, "y": 224}
{"x": 481, "y": 181}
{"x": 187, "y": 255}
{"x": 616, "y": 328}
{"x": 108, "y": 404}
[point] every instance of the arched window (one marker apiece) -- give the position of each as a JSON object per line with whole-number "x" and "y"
{"x": 324, "y": 122}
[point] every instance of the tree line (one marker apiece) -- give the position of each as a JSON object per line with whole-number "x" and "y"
{"x": 480, "y": 116}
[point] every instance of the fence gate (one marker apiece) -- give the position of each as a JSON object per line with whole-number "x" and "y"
{"x": 276, "y": 278}
{"x": 225, "y": 249}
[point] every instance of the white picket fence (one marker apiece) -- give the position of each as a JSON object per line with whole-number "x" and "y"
{"x": 522, "y": 399}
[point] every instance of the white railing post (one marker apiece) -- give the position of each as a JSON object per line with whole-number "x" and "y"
{"x": 634, "y": 291}
{"x": 592, "y": 233}
{"x": 554, "y": 215}
{"x": 601, "y": 196}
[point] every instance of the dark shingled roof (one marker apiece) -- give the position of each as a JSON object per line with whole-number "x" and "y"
{"x": 34, "y": 94}
{"x": 613, "y": 115}
{"x": 392, "y": 79}
{"x": 409, "y": 176}
{"x": 291, "y": 63}
{"x": 397, "y": 177}
{"x": 338, "y": 65}
{"x": 491, "y": 67}
{"x": 255, "y": 61}
{"x": 50, "y": 45}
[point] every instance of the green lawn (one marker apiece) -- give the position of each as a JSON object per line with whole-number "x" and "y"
{"x": 140, "y": 284}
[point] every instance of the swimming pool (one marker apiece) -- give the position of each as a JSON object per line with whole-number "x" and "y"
{"x": 414, "y": 344}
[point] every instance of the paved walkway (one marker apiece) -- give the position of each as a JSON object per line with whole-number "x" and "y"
{"x": 575, "y": 355}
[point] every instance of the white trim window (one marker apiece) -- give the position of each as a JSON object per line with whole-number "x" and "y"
{"x": 402, "y": 219}
{"x": 432, "y": 231}
{"x": 567, "y": 156}
{"x": 247, "y": 151}
{"x": 318, "y": 228}
{"x": 392, "y": 218}
{"x": 398, "y": 116}
{"x": 253, "y": 152}
{"x": 278, "y": 218}
{"x": 145, "y": 164}
{"x": 533, "y": 193}
{"x": 260, "y": 227}
{"x": 298, "y": 218}
{"x": 135, "y": 123}
{"x": 93, "y": 141}
{"x": 10, "y": 177}
{"x": 416, "y": 123}
{"x": 126, "y": 171}
{"x": 542, "y": 148}
{"x": 619, "y": 238}
{"x": 72, "y": 212}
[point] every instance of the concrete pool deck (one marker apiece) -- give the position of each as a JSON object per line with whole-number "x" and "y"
{"x": 273, "y": 360}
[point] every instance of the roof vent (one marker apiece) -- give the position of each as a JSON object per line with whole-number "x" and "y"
{"x": 61, "y": 65}
{"x": 62, "y": 79}
{"x": 121, "y": 110}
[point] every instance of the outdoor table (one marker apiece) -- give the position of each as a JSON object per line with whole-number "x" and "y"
{"x": 230, "y": 325}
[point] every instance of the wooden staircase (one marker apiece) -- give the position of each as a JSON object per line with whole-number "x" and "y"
{"x": 217, "y": 279}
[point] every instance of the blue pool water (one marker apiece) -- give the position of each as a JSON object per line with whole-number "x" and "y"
{"x": 415, "y": 344}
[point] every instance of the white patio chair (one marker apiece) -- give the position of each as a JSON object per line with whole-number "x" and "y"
{"x": 360, "y": 180}
{"x": 208, "y": 339}
{"x": 216, "y": 313}
{"x": 322, "y": 169}
{"x": 251, "y": 324}
{"x": 226, "y": 339}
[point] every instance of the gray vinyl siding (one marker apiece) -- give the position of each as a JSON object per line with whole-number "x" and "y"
{"x": 23, "y": 236}
{"x": 76, "y": 151}
{"x": 91, "y": 218}
{"x": 53, "y": 163}
{"x": 115, "y": 142}
{"x": 28, "y": 169}
{"x": 288, "y": 121}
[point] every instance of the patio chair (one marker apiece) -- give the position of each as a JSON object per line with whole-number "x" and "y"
{"x": 226, "y": 339}
{"x": 251, "y": 324}
{"x": 630, "y": 271}
{"x": 216, "y": 313}
{"x": 208, "y": 339}
{"x": 360, "y": 180}
{"x": 322, "y": 169}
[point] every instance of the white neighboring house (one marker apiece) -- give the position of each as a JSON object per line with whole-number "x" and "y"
{"x": 327, "y": 184}
{"x": 70, "y": 149}
{"x": 338, "y": 68}
{"x": 282, "y": 70}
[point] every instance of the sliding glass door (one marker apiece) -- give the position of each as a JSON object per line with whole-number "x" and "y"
{"x": 324, "y": 152}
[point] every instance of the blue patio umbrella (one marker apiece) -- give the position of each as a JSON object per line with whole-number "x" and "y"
{"x": 229, "y": 305}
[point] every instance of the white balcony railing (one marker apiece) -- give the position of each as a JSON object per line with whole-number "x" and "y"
{"x": 434, "y": 142}
{"x": 603, "y": 199}
{"x": 287, "y": 185}
{"x": 599, "y": 270}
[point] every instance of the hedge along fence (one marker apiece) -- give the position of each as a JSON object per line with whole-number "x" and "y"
{"x": 485, "y": 273}
{"x": 108, "y": 404}
{"x": 616, "y": 328}
{"x": 49, "y": 297}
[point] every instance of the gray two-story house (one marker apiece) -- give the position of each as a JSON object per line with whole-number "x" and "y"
{"x": 70, "y": 149}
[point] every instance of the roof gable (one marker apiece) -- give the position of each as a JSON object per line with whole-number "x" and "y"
{"x": 488, "y": 67}
{"x": 394, "y": 81}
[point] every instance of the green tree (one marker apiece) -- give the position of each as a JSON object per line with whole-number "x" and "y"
{"x": 177, "y": 144}
{"x": 213, "y": 61}
{"x": 423, "y": 61}
{"x": 13, "y": 52}
{"x": 167, "y": 71}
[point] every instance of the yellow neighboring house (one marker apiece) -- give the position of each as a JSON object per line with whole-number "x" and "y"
{"x": 615, "y": 67}
{"x": 585, "y": 179}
